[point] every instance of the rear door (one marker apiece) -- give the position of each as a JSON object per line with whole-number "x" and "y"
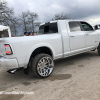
{"x": 77, "y": 36}
{"x": 90, "y": 34}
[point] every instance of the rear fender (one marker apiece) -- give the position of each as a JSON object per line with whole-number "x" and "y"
{"x": 37, "y": 46}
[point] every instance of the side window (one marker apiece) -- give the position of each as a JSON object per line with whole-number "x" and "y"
{"x": 41, "y": 29}
{"x": 74, "y": 26}
{"x": 86, "y": 26}
{"x": 51, "y": 28}
{"x": 48, "y": 28}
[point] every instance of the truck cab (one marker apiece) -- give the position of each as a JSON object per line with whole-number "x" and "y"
{"x": 77, "y": 36}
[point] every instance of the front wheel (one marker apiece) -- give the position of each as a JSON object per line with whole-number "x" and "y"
{"x": 42, "y": 65}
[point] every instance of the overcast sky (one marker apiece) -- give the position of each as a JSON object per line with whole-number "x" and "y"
{"x": 88, "y": 10}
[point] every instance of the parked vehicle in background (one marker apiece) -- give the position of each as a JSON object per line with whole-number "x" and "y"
{"x": 57, "y": 39}
{"x": 97, "y": 26}
{"x": 5, "y": 31}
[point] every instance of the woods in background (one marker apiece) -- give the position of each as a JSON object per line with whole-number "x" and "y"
{"x": 61, "y": 16}
{"x": 26, "y": 21}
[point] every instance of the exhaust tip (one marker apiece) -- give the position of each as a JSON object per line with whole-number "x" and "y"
{"x": 12, "y": 71}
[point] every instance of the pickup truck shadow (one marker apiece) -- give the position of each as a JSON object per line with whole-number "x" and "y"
{"x": 71, "y": 60}
{"x": 20, "y": 77}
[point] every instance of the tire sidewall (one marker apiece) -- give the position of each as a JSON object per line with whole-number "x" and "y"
{"x": 36, "y": 63}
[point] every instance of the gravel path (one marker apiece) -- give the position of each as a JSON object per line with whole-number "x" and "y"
{"x": 74, "y": 78}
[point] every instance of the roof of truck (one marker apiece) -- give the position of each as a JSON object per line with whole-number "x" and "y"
{"x": 3, "y": 27}
{"x": 61, "y": 20}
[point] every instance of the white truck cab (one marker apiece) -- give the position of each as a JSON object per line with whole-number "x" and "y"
{"x": 56, "y": 39}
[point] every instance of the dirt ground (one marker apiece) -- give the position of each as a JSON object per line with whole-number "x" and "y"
{"x": 74, "y": 78}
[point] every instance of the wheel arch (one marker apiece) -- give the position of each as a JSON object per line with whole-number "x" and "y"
{"x": 36, "y": 47}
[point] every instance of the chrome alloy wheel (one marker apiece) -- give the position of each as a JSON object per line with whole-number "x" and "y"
{"x": 45, "y": 66}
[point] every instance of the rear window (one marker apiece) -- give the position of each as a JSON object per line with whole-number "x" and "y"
{"x": 74, "y": 26}
{"x": 4, "y": 33}
{"x": 48, "y": 28}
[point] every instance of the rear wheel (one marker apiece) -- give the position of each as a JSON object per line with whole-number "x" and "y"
{"x": 42, "y": 65}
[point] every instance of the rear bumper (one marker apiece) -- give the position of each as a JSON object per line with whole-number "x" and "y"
{"x": 8, "y": 63}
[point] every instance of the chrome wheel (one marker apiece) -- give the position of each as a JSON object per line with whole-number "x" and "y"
{"x": 45, "y": 66}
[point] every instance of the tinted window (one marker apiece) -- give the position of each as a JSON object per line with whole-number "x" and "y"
{"x": 41, "y": 29}
{"x": 74, "y": 26}
{"x": 96, "y": 27}
{"x": 86, "y": 26}
{"x": 48, "y": 28}
{"x": 4, "y": 33}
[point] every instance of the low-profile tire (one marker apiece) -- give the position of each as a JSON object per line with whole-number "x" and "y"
{"x": 42, "y": 65}
{"x": 98, "y": 49}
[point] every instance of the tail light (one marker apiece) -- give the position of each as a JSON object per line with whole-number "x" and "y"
{"x": 8, "y": 49}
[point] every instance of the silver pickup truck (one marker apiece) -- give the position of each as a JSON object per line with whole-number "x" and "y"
{"x": 57, "y": 39}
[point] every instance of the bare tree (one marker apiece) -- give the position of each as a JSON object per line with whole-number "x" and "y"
{"x": 5, "y": 13}
{"x": 15, "y": 24}
{"x": 61, "y": 16}
{"x": 28, "y": 20}
{"x": 7, "y": 17}
{"x": 24, "y": 20}
{"x": 32, "y": 17}
{"x": 37, "y": 24}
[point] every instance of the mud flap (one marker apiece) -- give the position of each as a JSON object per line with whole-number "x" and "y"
{"x": 26, "y": 70}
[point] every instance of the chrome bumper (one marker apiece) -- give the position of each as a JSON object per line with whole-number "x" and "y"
{"x": 8, "y": 63}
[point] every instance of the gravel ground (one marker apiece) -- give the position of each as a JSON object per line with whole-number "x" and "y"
{"x": 74, "y": 78}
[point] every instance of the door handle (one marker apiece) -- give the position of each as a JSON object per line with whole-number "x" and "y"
{"x": 72, "y": 36}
